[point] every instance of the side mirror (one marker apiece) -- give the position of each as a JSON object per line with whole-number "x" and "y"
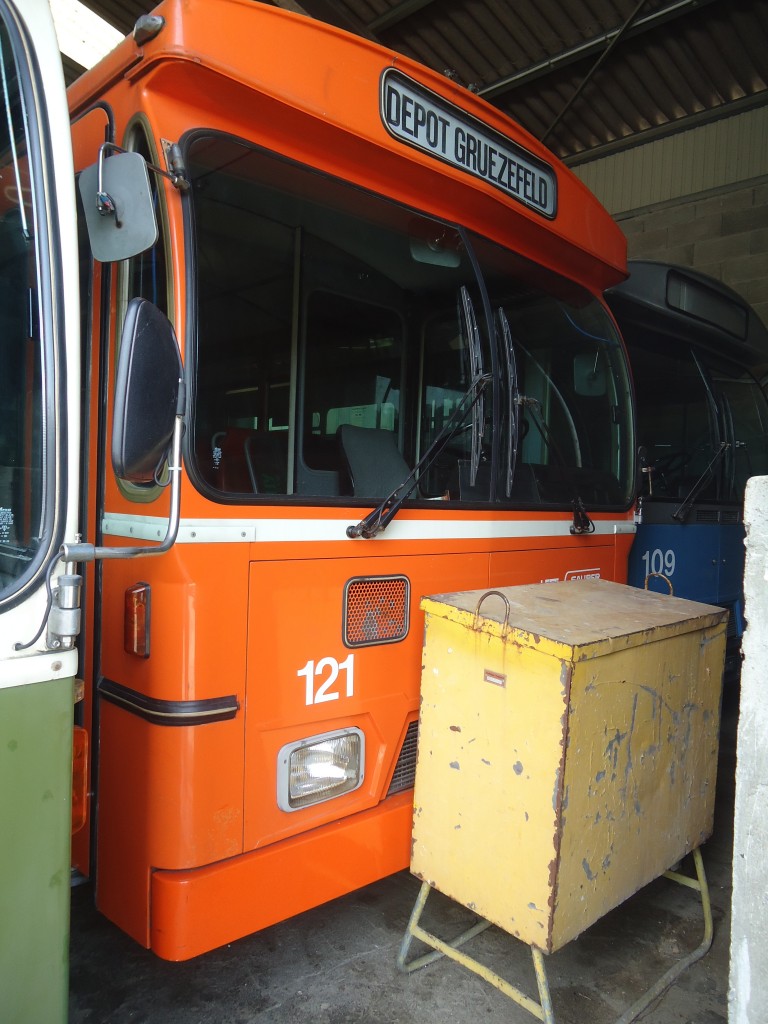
{"x": 146, "y": 393}
{"x": 119, "y": 211}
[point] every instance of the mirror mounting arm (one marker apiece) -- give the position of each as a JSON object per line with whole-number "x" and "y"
{"x": 93, "y": 553}
{"x": 105, "y": 204}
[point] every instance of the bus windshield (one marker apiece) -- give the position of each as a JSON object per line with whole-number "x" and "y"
{"x": 702, "y": 422}
{"x": 338, "y": 334}
{"x": 677, "y": 420}
{"x": 744, "y": 412}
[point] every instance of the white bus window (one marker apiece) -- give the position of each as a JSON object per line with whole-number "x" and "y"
{"x": 25, "y": 501}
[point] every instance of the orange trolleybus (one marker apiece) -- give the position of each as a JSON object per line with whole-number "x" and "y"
{"x": 399, "y": 379}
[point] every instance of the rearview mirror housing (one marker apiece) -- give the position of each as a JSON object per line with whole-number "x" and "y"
{"x": 126, "y": 225}
{"x": 147, "y": 383}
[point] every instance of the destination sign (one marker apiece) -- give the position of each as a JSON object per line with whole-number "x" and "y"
{"x": 422, "y": 119}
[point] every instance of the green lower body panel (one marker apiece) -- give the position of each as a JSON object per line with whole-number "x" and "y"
{"x": 35, "y": 822}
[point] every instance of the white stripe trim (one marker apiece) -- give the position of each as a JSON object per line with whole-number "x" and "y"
{"x": 38, "y": 668}
{"x": 238, "y": 531}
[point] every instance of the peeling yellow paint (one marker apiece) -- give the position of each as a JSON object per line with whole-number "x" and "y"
{"x": 589, "y": 772}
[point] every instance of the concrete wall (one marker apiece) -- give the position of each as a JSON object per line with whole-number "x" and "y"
{"x": 748, "y": 998}
{"x": 723, "y": 233}
{"x": 713, "y": 154}
{"x": 698, "y": 198}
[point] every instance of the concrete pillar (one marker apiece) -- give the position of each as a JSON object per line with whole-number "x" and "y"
{"x": 748, "y": 996}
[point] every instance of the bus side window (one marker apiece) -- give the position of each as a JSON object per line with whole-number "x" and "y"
{"x": 147, "y": 273}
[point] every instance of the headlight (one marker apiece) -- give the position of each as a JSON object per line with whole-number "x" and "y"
{"x": 319, "y": 768}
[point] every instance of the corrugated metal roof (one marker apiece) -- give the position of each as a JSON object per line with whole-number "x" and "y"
{"x": 585, "y": 76}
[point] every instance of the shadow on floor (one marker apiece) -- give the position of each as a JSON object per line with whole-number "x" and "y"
{"x": 337, "y": 964}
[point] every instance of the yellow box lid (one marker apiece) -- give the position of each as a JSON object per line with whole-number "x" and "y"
{"x": 589, "y": 616}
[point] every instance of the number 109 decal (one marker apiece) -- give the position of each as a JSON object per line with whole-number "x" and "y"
{"x": 659, "y": 561}
{"x": 327, "y": 679}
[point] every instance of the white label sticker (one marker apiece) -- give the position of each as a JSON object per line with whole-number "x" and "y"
{"x": 422, "y": 119}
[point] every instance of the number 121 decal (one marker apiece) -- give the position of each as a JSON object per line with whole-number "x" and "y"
{"x": 324, "y": 680}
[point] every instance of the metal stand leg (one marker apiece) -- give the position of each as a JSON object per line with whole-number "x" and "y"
{"x": 414, "y": 930}
{"x": 543, "y": 1009}
{"x": 700, "y": 884}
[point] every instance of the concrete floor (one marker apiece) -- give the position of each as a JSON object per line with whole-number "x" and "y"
{"x": 337, "y": 964}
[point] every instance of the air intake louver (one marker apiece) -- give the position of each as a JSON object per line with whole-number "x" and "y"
{"x": 375, "y": 610}
{"x": 405, "y": 769}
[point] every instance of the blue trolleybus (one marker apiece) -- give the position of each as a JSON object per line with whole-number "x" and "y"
{"x": 695, "y": 348}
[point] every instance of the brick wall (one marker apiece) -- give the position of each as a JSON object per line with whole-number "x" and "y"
{"x": 723, "y": 233}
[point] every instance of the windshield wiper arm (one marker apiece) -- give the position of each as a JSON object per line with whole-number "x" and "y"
{"x": 581, "y": 522}
{"x": 385, "y": 511}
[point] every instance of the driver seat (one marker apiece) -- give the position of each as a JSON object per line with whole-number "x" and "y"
{"x": 375, "y": 464}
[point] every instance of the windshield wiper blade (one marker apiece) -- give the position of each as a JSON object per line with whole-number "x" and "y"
{"x": 682, "y": 512}
{"x": 513, "y": 400}
{"x": 385, "y": 511}
{"x": 468, "y": 318}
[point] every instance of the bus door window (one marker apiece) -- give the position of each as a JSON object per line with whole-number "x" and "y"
{"x": 147, "y": 274}
{"x": 25, "y": 499}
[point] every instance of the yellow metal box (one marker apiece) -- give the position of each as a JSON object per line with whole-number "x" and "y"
{"x": 567, "y": 748}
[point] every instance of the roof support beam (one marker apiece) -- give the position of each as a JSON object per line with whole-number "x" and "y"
{"x": 590, "y": 48}
{"x": 323, "y": 10}
{"x": 595, "y": 67}
{"x": 663, "y": 131}
{"x": 291, "y": 5}
{"x": 398, "y": 13}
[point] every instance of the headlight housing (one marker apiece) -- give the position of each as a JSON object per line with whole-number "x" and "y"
{"x": 319, "y": 768}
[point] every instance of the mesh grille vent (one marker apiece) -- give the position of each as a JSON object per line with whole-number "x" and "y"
{"x": 732, "y": 629}
{"x": 405, "y": 769}
{"x": 714, "y": 515}
{"x": 707, "y": 515}
{"x": 375, "y": 610}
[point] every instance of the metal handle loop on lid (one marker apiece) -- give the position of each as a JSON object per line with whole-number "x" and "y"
{"x": 493, "y": 593}
{"x": 661, "y": 576}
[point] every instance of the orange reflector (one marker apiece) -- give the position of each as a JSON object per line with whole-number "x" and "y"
{"x": 79, "y": 777}
{"x": 136, "y": 620}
